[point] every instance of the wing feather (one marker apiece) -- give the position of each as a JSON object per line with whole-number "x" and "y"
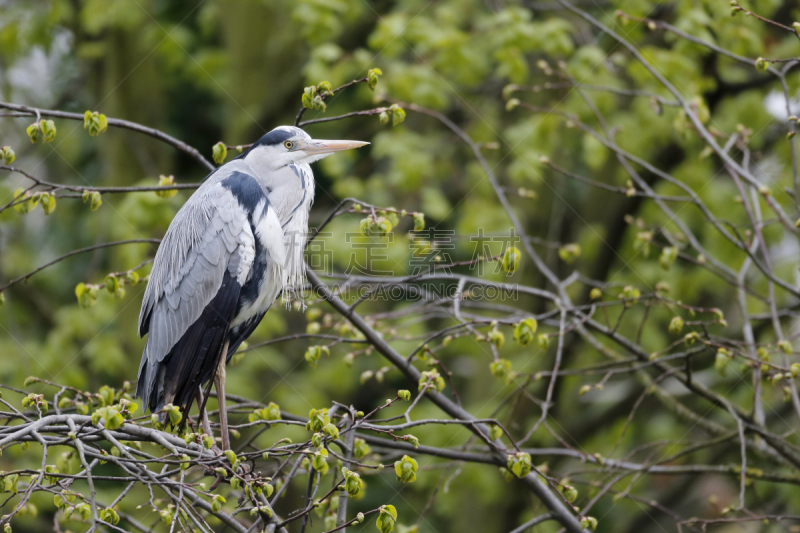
{"x": 209, "y": 237}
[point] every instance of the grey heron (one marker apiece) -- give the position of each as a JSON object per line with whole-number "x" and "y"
{"x": 231, "y": 249}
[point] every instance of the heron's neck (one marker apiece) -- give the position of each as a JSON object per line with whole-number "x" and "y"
{"x": 290, "y": 191}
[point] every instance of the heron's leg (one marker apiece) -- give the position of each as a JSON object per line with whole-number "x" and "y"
{"x": 203, "y": 412}
{"x": 219, "y": 382}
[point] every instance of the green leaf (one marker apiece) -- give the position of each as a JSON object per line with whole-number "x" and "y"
{"x": 331, "y": 430}
{"x": 496, "y": 337}
{"x": 7, "y": 155}
{"x": 668, "y": 256}
{"x": 166, "y": 515}
{"x": 317, "y": 419}
{"x": 372, "y": 77}
{"x": 406, "y": 469}
{"x": 48, "y": 201}
{"x": 412, "y": 440}
{"x": 569, "y": 492}
{"x": 219, "y": 152}
{"x": 631, "y": 294}
{"x": 216, "y": 503}
{"x": 589, "y": 522}
{"x": 232, "y": 459}
{"x": 383, "y": 226}
{"x": 10, "y": 483}
{"x": 84, "y": 511}
{"x": 95, "y": 122}
{"x": 519, "y": 464}
{"x": 320, "y": 462}
{"x": 511, "y": 259}
{"x": 95, "y": 199}
{"x": 112, "y": 283}
{"x": 270, "y": 412}
{"x": 419, "y": 221}
{"x": 113, "y": 419}
{"x": 166, "y": 181}
{"x": 48, "y": 128}
{"x": 524, "y": 331}
{"x": 569, "y": 253}
{"x": 313, "y": 354}
{"x": 109, "y": 515}
{"x": 501, "y": 368}
{"x": 325, "y": 88}
{"x": 676, "y": 325}
{"x": 86, "y": 294}
{"x": 352, "y": 482}
{"x": 386, "y": 518}
{"x": 398, "y": 114}
{"x": 361, "y": 448}
{"x": 437, "y": 381}
{"x": 309, "y": 94}
{"x": 24, "y": 206}
{"x": 174, "y": 413}
{"x": 34, "y": 132}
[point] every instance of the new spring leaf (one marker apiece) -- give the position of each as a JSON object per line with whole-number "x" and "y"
{"x": 525, "y": 331}
{"x": 166, "y": 181}
{"x": 372, "y": 77}
{"x": 7, "y": 154}
{"x": 406, "y": 469}
{"x": 519, "y": 464}
{"x": 219, "y": 152}
{"x": 511, "y": 260}
{"x": 386, "y": 518}
{"x": 352, "y": 482}
{"x": 95, "y": 122}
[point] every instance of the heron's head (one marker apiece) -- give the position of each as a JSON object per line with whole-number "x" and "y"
{"x": 287, "y": 144}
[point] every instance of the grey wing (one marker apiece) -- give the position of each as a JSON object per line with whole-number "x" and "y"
{"x": 209, "y": 237}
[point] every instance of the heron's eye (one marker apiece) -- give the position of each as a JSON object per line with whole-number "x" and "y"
{"x": 288, "y": 145}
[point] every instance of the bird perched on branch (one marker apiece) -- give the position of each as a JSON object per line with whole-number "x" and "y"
{"x": 229, "y": 252}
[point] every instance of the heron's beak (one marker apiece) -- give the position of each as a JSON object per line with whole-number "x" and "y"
{"x": 321, "y": 146}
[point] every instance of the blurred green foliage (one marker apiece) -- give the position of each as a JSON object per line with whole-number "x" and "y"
{"x": 229, "y": 70}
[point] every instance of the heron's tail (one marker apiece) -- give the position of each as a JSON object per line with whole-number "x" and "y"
{"x": 193, "y": 360}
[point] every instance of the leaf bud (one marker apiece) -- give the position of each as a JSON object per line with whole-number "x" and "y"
{"x": 676, "y": 325}
{"x": 398, "y": 114}
{"x": 219, "y": 152}
{"x": 372, "y": 77}
{"x": 166, "y": 181}
{"x": 569, "y": 253}
{"x": 519, "y": 464}
{"x": 511, "y": 259}
{"x": 406, "y": 469}
{"x": 95, "y": 122}
{"x": 7, "y": 154}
